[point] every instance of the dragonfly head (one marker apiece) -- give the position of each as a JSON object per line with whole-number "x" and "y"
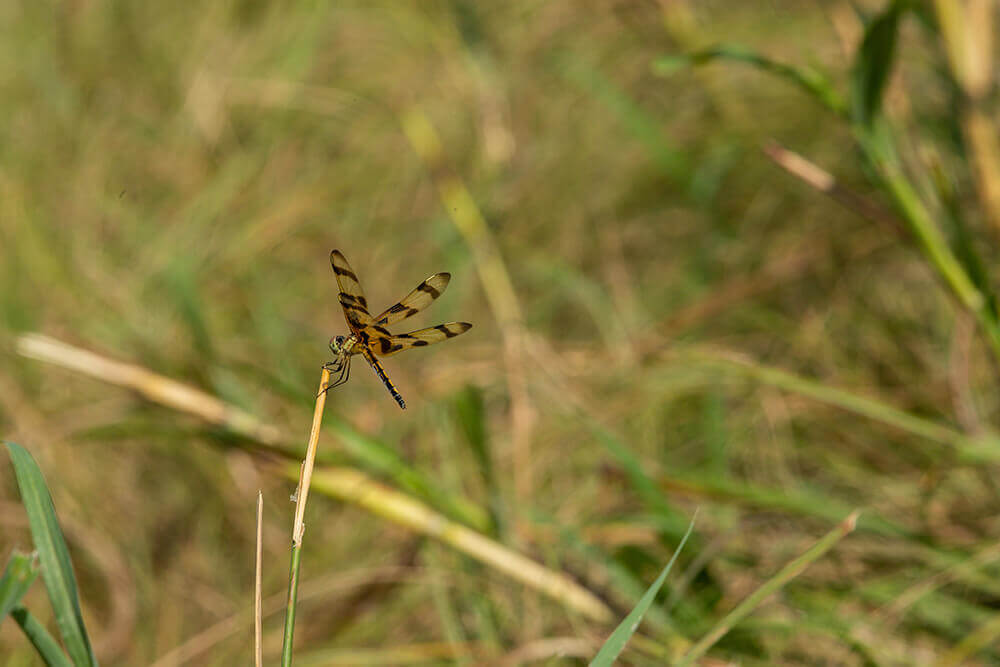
{"x": 337, "y": 344}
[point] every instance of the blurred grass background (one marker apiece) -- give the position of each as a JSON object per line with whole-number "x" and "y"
{"x": 173, "y": 177}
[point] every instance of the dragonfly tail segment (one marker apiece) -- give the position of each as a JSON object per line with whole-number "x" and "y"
{"x": 377, "y": 367}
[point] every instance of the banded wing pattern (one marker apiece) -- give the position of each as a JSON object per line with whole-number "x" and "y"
{"x": 386, "y": 347}
{"x": 352, "y": 298}
{"x": 415, "y": 301}
{"x": 369, "y": 336}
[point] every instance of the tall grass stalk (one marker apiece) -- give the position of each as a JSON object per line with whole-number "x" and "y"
{"x": 299, "y": 525}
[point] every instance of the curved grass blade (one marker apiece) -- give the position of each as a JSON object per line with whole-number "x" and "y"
{"x": 17, "y": 578}
{"x": 812, "y": 81}
{"x": 57, "y": 569}
{"x": 44, "y": 643}
{"x": 970, "y": 449}
{"x": 616, "y": 642}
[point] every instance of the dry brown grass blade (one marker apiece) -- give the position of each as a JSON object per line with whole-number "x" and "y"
{"x": 357, "y": 488}
{"x": 822, "y": 180}
{"x": 345, "y": 483}
{"x": 151, "y": 386}
{"x": 302, "y": 493}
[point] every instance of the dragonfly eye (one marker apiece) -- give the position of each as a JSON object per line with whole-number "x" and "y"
{"x": 336, "y": 344}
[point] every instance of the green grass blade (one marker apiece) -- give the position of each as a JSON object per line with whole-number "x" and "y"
{"x": 17, "y": 578}
{"x": 922, "y": 223}
{"x": 810, "y": 80}
{"x": 44, "y": 643}
{"x": 873, "y": 64}
{"x": 754, "y": 600}
{"x": 641, "y": 482}
{"x": 57, "y": 569}
{"x": 971, "y": 449}
{"x": 616, "y": 642}
{"x": 181, "y": 282}
{"x": 470, "y": 415}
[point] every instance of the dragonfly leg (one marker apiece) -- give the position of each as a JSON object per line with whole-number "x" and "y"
{"x": 346, "y": 374}
{"x": 339, "y": 367}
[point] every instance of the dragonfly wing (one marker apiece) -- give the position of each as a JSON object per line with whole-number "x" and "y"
{"x": 386, "y": 346}
{"x": 415, "y": 301}
{"x": 352, "y": 298}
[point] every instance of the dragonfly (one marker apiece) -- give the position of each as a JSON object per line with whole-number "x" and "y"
{"x": 369, "y": 336}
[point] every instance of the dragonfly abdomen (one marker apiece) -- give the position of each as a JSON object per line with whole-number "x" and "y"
{"x": 377, "y": 367}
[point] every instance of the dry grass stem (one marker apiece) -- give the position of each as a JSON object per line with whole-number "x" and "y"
{"x": 822, "y": 180}
{"x": 151, "y": 386}
{"x": 352, "y": 486}
{"x": 302, "y": 493}
{"x": 299, "y": 525}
